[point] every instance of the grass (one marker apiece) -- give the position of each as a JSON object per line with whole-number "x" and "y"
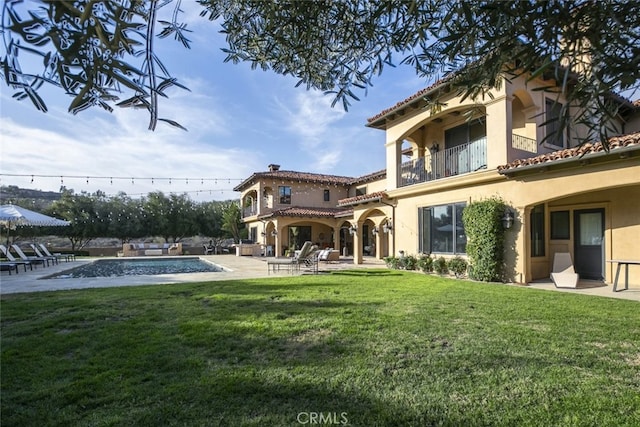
{"x": 365, "y": 348}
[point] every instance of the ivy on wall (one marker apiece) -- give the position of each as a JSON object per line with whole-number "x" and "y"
{"x": 486, "y": 235}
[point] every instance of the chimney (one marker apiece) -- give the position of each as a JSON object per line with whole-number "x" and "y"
{"x": 273, "y": 168}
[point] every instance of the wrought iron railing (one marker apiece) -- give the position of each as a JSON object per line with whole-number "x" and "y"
{"x": 457, "y": 160}
{"x": 523, "y": 143}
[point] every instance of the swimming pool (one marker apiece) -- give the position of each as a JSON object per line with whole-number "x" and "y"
{"x": 137, "y": 267}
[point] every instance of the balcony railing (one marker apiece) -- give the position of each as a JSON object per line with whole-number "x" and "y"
{"x": 523, "y": 143}
{"x": 249, "y": 211}
{"x": 450, "y": 162}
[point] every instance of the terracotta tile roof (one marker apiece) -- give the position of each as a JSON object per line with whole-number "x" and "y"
{"x": 374, "y": 176}
{"x": 615, "y": 143}
{"x": 418, "y": 95}
{"x": 308, "y": 212}
{"x": 295, "y": 176}
{"x": 378, "y": 195}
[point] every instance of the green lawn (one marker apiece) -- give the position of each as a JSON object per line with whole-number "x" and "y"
{"x": 367, "y": 348}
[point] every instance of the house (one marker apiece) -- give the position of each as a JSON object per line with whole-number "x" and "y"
{"x": 283, "y": 209}
{"x": 562, "y": 197}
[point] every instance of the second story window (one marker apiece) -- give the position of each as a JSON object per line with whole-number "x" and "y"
{"x": 361, "y": 191}
{"x": 552, "y": 117}
{"x": 285, "y": 195}
{"x": 327, "y": 196}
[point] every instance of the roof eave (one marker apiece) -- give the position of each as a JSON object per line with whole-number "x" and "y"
{"x": 575, "y": 159}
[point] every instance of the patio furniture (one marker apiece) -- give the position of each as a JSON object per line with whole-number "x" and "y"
{"x": 67, "y": 256}
{"x": 151, "y": 249}
{"x": 35, "y": 259}
{"x": 563, "y": 274}
{"x": 39, "y": 254}
{"x": 13, "y": 259}
{"x": 626, "y": 264}
{"x": 8, "y": 266}
{"x": 328, "y": 255}
{"x": 292, "y": 264}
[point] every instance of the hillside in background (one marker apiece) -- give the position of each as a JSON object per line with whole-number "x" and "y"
{"x": 26, "y": 197}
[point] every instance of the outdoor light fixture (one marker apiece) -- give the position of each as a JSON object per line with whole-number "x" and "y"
{"x": 374, "y": 231}
{"x": 387, "y": 227}
{"x": 507, "y": 219}
{"x": 274, "y": 233}
{"x": 353, "y": 229}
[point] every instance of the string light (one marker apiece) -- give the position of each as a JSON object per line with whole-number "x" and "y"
{"x": 112, "y": 178}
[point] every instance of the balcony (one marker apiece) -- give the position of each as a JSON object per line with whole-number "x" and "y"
{"x": 523, "y": 143}
{"x": 453, "y": 161}
{"x": 249, "y": 211}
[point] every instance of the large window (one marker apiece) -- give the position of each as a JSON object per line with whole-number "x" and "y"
{"x": 285, "y": 195}
{"x": 441, "y": 229}
{"x": 465, "y": 133}
{"x": 553, "y": 114}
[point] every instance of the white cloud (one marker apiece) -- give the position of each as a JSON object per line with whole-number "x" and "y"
{"x": 310, "y": 117}
{"x": 119, "y": 147}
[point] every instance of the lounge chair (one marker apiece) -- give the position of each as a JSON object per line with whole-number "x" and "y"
{"x": 34, "y": 259}
{"x": 208, "y": 250}
{"x": 13, "y": 259}
{"x": 311, "y": 260}
{"x": 563, "y": 275}
{"x": 8, "y": 266}
{"x": 67, "y": 256}
{"x": 292, "y": 264}
{"x": 51, "y": 258}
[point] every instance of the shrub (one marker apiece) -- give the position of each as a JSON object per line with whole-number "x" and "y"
{"x": 409, "y": 262}
{"x": 392, "y": 262}
{"x": 458, "y": 266}
{"x": 425, "y": 263}
{"x": 485, "y": 234}
{"x": 440, "y": 265}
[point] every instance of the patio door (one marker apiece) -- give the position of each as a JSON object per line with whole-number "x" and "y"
{"x": 589, "y": 243}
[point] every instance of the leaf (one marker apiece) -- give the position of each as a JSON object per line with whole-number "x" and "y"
{"x": 174, "y": 123}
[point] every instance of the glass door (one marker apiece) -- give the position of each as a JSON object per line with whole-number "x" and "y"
{"x": 589, "y": 243}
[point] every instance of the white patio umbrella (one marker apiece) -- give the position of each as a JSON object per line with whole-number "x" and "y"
{"x": 13, "y": 216}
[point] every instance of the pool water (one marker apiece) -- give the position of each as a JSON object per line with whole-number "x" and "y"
{"x": 137, "y": 267}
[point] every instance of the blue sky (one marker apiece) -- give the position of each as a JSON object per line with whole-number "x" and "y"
{"x": 239, "y": 120}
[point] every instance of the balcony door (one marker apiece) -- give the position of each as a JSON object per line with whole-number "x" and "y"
{"x": 589, "y": 243}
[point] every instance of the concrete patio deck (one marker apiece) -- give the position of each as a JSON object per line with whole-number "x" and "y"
{"x": 238, "y": 268}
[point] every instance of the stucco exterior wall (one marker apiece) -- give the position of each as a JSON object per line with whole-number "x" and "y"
{"x": 614, "y": 187}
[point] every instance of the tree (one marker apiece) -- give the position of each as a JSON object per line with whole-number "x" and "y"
{"x": 337, "y": 46}
{"x": 83, "y": 212}
{"x": 232, "y": 220}
{"x": 124, "y": 217}
{"x": 173, "y": 217}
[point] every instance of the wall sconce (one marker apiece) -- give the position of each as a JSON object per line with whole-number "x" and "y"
{"x": 353, "y": 229}
{"x": 274, "y": 233}
{"x": 387, "y": 227}
{"x": 507, "y": 219}
{"x": 374, "y": 231}
{"x": 263, "y": 233}
{"x": 435, "y": 147}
